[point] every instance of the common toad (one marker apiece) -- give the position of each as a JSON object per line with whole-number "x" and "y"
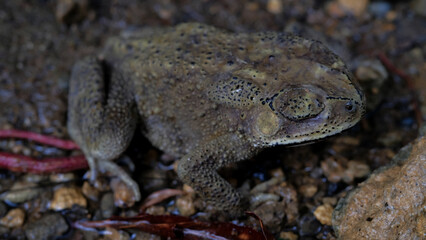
{"x": 210, "y": 98}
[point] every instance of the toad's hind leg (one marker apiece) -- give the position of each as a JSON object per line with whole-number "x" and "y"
{"x": 102, "y": 116}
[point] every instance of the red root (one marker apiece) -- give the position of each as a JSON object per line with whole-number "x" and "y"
{"x": 51, "y": 141}
{"x": 19, "y": 163}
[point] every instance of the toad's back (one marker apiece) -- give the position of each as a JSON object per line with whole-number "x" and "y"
{"x": 173, "y": 71}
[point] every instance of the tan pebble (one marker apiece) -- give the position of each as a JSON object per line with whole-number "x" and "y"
{"x": 185, "y": 205}
{"x": 288, "y": 236}
{"x": 335, "y": 10}
{"x": 22, "y": 191}
{"x": 123, "y": 195}
{"x": 90, "y": 191}
{"x": 66, "y": 197}
{"x": 329, "y": 200}
{"x": 188, "y": 189}
{"x": 156, "y": 210}
{"x": 359, "y": 169}
{"x": 357, "y": 7}
{"x": 332, "y": 170}
{"x": 114, "y": 234}
{"x": 265, "y": 186}
{"x": 274, "y": 6}
{"x": 62, "y": 177}
{"x": 324, "y": 213}
{"x": 308, "y": 190}
{"x": 14, "y": 218}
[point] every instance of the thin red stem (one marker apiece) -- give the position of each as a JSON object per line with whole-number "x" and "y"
{"x": 392, "y": 68}
{"x": 51, "y": 141}
{"x": 19, "y": 163}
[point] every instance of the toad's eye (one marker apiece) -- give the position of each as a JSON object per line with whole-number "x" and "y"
{"x": 298, "y": 104}
{"x": 350, "y": 107}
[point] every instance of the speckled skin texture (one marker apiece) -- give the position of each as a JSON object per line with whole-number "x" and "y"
{"x": 210, "y": 98}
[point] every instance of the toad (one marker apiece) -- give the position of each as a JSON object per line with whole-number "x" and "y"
{"x": 209, "y": 98}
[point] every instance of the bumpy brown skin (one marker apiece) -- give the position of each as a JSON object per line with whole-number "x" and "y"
{"x": 210, "y": 98}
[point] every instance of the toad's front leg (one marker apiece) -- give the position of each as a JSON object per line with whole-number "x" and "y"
{"x": 198, "y": 169}
{"x": 101, "y": 116}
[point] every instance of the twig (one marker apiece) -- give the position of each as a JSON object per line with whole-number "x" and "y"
{"x": 391, "y": 68}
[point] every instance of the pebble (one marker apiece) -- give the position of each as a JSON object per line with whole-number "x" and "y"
{"x": 22, "y": 191}
{"x": 107, "y": 205}
{"x": 288, "y": 236}
{"x": 371, "y": 70}
{"x": 123, "y": 196}
{"x": 14, "y": 218}
{"x": 379, "y": 9}
{"x": 3, "y": 209}
{"x": 66, "y": 197}
{"x": 419, "y": 7}
{"x": 265, "y": 186}
{"x": 62, "y": 177}
{"x": 274, "y": 6}
{"x": 261, "y": 198}
{"x": 324, "y": 214}
{"x": 185, "y": 205}
{"x": 356, "y": 7}
{"x": 90, "y": 191}
{"x": 308, "y": 225}
{"x": 272, "y": 214}
{"x": 332, "y": 169}
{"x": 114, "y": 234}
{"x": 49, "y": 226}
{"x": 308, "y": 190}
{"x": 155, "y": 210}
{"x": 71, "y": 11}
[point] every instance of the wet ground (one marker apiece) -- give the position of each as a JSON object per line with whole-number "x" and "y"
{"x": 41, "y": 40}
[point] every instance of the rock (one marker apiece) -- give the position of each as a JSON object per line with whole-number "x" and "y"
{"x": 3, "y": 209}
{"x": 123, "y": 196}
{"x": 275, "y": 6}
{"x": 272, "y": 214}
{"x": 50, "y": 226}
{"x": 107, "y": 205}
{"x": 90, "y": 191}
{"x": 14, "y": 218}
{"x": 185, "y": 204}
{"x": 71, "y": 11}
{"x": 419, "y": 7}
{"x": 66, "y": 197}
{"x": 391, "y": 203}
{"x": 308, "y": 190}
{"x": 323, "y": 214}
{"x": 260, "y": 198}
{"x": 356, "y": 7}
{"x": 309, "y": 226}
{"x": 372, "y": 75}
{"x": 22, "y": 191}
{"x": 379, "y": 9}
{"x": 288, "y": 236}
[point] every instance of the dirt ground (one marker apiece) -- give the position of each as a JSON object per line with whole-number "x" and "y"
{"x": 296, "y": 188}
